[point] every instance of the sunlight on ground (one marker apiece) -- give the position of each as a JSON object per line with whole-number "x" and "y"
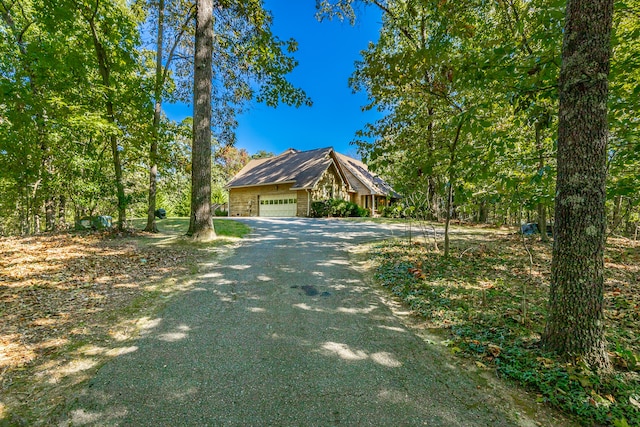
{"x": 354, "y": 310}
{"x": 343, "y": 351}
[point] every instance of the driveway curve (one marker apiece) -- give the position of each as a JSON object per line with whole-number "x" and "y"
{"x": 285, "y": 333}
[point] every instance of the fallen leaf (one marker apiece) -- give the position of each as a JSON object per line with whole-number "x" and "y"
{"x": 634, "y": 399}
{"x": 494, "y": 350}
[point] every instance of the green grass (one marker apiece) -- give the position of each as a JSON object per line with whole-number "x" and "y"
{"x": 179, "y": 225}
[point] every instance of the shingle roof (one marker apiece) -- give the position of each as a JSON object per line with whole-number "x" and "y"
{"x": 373, "y": 182}
{"x": 303, "y": 168}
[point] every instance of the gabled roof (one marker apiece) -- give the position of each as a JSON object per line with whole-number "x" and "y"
{"x": 370, "y": 180}
{"x": 302, "y": 168}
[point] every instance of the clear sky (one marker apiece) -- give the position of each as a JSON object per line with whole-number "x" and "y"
{"x": 326, "y": 54}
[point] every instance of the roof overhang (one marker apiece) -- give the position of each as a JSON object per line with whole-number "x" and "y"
{"x": 260, "y": 185}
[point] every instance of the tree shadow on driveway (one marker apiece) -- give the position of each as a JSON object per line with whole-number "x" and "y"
{"x": 285, "y": 333}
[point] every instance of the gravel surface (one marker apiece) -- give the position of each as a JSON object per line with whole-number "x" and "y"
{"x": 286, "y": 333}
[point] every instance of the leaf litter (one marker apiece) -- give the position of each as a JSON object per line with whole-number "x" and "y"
{"x": 62, "y": 292}
{"x": 489, "y": 301}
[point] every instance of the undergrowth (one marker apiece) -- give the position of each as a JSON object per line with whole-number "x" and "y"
{"x": 491, "y": 301}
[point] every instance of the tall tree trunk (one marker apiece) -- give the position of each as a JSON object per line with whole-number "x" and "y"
{"x": 153, "y": 152}
{"x": 62, "y": 206}
{"x": 452, "y": 177}
{"x": 201, "y": 223}
{"x": 105, "y": 71}
{"x": 50, "y": 213}
{"x": 616, "y": 218}
{"x": 542, "y": 211}
{"x": 447, "y": 220}
{"x": 575, "y": 325}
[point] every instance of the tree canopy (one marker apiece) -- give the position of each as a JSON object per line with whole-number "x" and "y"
{"x": 81, "y": 115}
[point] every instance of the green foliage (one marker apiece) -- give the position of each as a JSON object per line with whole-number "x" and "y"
{"x": 337, "y": 208}
{"x": 395, "y": 210}
{"x": 78, "y": 89}
{"x": 491, "y": 67}
{"x": 475, "y": 299}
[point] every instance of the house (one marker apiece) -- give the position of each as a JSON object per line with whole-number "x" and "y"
{"x": 287, "y": 184}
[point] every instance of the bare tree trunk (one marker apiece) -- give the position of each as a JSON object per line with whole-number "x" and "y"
{"x": 575, "y": 325}
{"x": 616, "y": 218}
{"x": 201, "y": 223}
{"x": 542, "y": 211}
{"x": 447, "y": 220}
{"x": 50, "y": 213}
{"x": 62, "y": 206}
{"x": 153, "y": 152}
{"x": 452, "y": 164}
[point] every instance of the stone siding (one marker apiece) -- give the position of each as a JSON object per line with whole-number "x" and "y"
{"x": 330, "y": 186}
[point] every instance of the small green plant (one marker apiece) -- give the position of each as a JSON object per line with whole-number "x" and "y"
{"x": 474, "y": 299}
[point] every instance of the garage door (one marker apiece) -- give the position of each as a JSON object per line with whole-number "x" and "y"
{"x": 278, "y": 206}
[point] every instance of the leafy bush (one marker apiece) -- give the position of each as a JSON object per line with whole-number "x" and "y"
{"x": 337, "y": 208}
{"x": 221, "y": 212}
{"x": 395, "y": 210}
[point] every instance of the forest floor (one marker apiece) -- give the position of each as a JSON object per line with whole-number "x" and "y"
{"x": 488, "y": 303}
{"x": 69, "y": 301}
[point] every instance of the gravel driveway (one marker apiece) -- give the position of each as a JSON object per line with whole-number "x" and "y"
{"x": 286, "y": 333}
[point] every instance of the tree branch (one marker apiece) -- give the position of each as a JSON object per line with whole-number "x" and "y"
{"x": 177, "y": 40}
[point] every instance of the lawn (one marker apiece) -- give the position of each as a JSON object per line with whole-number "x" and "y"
{"x": 488, "y": 303}
{"x": 71, "y": 301}
{"x": 179, "y": 225}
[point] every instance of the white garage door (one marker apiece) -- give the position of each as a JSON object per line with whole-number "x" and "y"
{"x": 278, "y": 206}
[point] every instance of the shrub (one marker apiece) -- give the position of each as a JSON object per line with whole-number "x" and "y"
{"x": 395, "y": 210}
{"x": 320, "y": 209}
{"x": 338, "y": 208}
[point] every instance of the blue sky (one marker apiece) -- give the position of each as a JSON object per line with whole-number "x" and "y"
{"x": 326, "y": 54}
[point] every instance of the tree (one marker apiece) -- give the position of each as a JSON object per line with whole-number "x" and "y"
{"x": 575, "y": 324}
{"x": 201, "y": 223}
{"x": 114, "y": 61}
{"x": 250, "y": 62}
{"x": 160, "y": 81}
{"x": 231, "y": 159}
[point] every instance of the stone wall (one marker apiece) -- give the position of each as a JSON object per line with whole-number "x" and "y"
{"x": 330, "y": 186}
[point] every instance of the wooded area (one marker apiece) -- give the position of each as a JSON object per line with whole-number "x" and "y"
{"x": 82, "y": 131}
{"x": 492, "y": 103}
{"x": 498, "y": 112}
{"x": 470, "y": 92}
